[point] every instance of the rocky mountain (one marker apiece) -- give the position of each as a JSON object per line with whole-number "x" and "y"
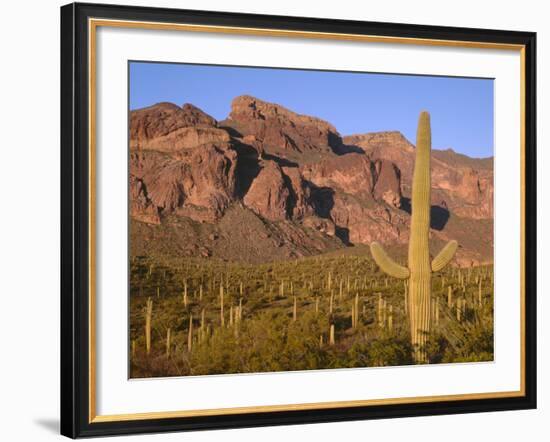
{"x": 267, "y": 183}
{"x": 280, "y": 129}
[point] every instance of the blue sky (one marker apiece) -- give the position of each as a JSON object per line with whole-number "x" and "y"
{"x": 461, "y": 108}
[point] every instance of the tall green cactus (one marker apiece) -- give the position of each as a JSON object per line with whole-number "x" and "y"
{"x": 419, "y": 271}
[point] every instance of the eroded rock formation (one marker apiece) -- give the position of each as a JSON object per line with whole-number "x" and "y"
{"x": 311, "y": 188}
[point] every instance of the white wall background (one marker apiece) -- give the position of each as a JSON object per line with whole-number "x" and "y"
{"x": 29, "y": 219}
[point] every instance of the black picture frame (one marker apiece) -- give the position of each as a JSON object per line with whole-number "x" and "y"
{"x": 75, "y": 220}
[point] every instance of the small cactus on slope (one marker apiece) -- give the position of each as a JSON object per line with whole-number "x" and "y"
{"x": 420, "y": 269}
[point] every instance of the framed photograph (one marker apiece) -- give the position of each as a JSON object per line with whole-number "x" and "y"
{"x": 275, "y": 220}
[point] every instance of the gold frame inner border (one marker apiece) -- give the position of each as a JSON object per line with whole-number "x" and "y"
{"x": 93, "y": 24}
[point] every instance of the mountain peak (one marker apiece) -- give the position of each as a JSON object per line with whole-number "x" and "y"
{"x": 160, "y": 106}
{"x": 281, "y": 129}
{"x": 383, "y": 139}
{"x": 164, "y": 118}
{"x": 272, "y": 110}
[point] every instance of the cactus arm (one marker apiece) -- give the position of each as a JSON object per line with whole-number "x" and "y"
{"x": 387, "y": 264}
{"x": 445, "y": 256}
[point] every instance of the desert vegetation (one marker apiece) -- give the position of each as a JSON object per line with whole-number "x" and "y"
{"x": 258, "y": 243}
{"x": 198, "y": 316}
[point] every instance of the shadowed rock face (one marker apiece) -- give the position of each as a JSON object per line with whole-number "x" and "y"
{"x": 141, "y": 207}
{"x": 388, "y": 183}
{"x": 300, "y": 200}
{"x": 306, "y": 189}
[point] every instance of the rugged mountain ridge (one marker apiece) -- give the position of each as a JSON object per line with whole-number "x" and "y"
{"x": 307, "y": 188}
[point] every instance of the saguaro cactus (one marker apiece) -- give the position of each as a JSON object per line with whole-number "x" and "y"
{"x": 148, "y": 318}
{"x": 419, "y": 270}
{"x": 168, "y": 342}
{"x": 190, "y": 334}
{"x": 222, "y": 316}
